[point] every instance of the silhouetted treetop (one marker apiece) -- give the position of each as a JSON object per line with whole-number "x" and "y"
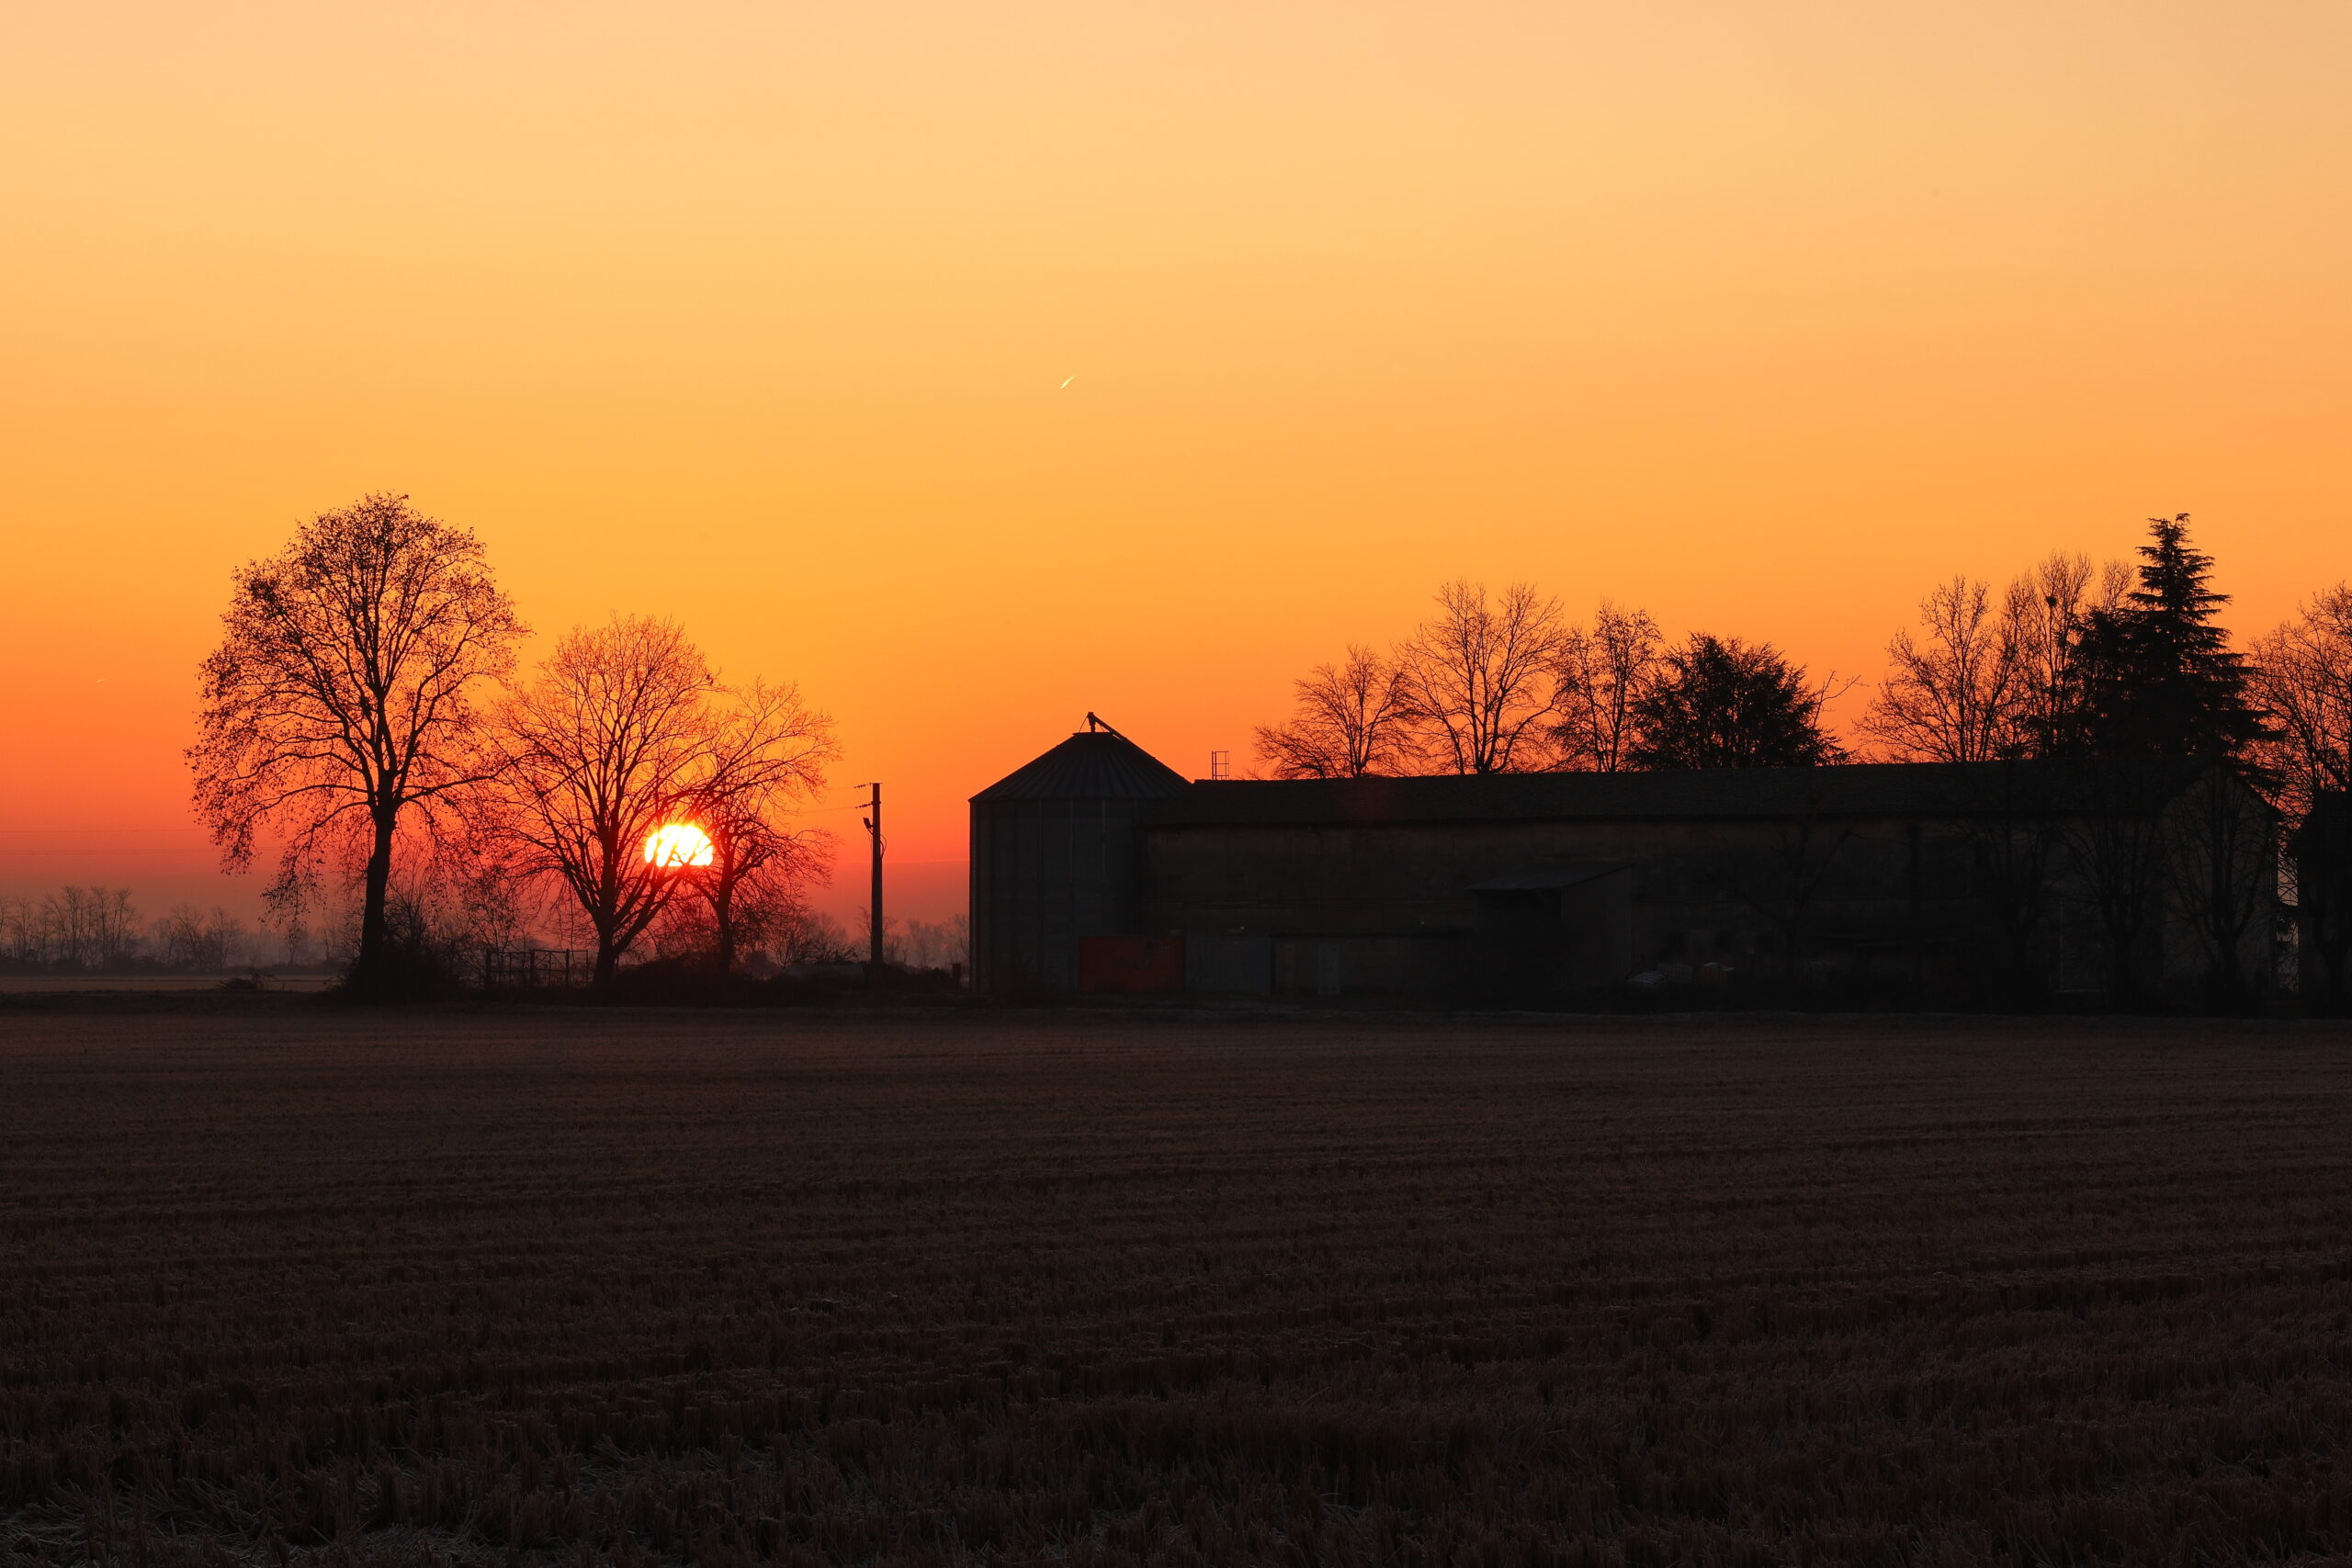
{"x": 2154, "y": 676}
{"x": 1481, "y": 677}
{"x": 342, "y": 700}
{"x": 1721, "y": 703}
{"x": 1353, "y": 718}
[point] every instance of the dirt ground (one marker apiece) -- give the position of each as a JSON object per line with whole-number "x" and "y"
{"x": 284, "y": 1283}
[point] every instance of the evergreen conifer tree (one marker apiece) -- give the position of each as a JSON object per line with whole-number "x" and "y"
{"x": 2155, "y": 676}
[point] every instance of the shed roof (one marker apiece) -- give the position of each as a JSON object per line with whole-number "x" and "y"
{"x": 1901, "y": 790}
{"x": 1093, "y": 764}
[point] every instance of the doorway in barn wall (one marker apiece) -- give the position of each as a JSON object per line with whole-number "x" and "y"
{"x": 1519, "y": 947}
{"x": 1545, "y": 938}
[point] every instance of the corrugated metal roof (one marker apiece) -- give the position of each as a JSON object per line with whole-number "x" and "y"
{"x": 1858, "y": 790}
{"x": 1089, "y": 765}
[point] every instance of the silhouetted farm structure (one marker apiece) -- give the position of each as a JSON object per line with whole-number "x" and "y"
{"x": 1096, "y": 868}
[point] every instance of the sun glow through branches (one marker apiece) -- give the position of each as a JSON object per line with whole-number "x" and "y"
{"x": 675, "y": 845}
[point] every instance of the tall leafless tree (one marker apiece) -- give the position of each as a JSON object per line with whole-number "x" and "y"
{"x": 627, "y": 729}
{"x": 340, "y": 702}
{"x": 1480, "y": 675}
{"x": 2043, "y": 616}
{"x": 607, "y": 743}
{"x": 1353, "y": 718}
{"x": 767, "y": 758}
{"x": 1603, "y": 670}
{"x": 1959, "y": 693}
{"x": 2301, "y": 674}
{"x": 2117, "y": 839}
{"x": 2223, "y": 848}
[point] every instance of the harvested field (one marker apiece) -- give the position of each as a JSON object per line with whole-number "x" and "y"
{"x": 732, "y": 1287}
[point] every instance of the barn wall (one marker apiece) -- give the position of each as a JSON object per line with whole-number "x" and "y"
{"x": 1850, "y": 896}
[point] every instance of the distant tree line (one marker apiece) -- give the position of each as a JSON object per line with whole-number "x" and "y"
{"x": 814, "y": 937}
{"x": 1506, "y": 683}
{"x": 99, "y": 930}
{"x": 365, "y": 718}
{"x": 2068, "y": 659}
{"x": 2111, "y": 663}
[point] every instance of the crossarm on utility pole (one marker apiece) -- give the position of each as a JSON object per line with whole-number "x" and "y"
{"x": 874, "y": 907}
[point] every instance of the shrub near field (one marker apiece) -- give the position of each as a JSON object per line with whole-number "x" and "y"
{"x": 726, "y": 1289}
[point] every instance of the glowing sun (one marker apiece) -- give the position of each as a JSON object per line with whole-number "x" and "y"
{"x": 677, "y": 844}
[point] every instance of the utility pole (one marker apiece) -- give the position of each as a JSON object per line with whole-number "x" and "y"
{"x": 874, "y": 907}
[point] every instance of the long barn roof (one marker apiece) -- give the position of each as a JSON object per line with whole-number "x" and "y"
{"x": 1922, "y": 790}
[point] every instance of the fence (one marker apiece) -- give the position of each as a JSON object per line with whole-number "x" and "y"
{"x": 536, "y": 968}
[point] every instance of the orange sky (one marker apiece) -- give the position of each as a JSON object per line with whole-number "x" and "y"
{"x": 1762, "y": 316}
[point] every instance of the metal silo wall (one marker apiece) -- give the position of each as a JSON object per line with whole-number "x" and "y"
{"x": 1046, "y": 872}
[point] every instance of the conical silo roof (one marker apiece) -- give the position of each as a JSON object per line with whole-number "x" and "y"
{"x": 1093, "y": 764}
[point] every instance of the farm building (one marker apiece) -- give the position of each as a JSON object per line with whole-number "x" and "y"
{"x": 1098, "y": 868}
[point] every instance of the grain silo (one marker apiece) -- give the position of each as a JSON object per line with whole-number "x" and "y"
{"x": 1055, "y": 857}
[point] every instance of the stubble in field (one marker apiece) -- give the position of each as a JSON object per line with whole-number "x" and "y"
{"x": 730, "y": 1289}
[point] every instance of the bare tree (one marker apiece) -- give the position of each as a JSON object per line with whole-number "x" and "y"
{"x": 1959, "y": 694}
{"x": 813, "y": 937}
{"x": 201, "y": 941}
{"x": 2224, "y": 857}
{"x": 2043, "y": 616}
{"x": 766, "y": 757}
{"x": 1602, "y": 673}
{"x": 19, "y": 939}
{"x": 2302, "y": 676}
{"x": 84, "y": 928}
{"x": 2117, "y": 840}
{"x": 1977, "y": 683}
{"x": 608, "y": 743}
{"x": 2106, "y": 821}
{"x": 1353, "y": 719}
{"x": 2013, "y": 823}
{"x": 627, "y": 730}
{"x": 931, "y": 944}
{"x": 1480, "y": 676}
{"x": 340, "y": 700}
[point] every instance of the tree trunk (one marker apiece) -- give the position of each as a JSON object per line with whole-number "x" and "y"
{"x": 371, "y": 968}
{"x": 1918, "y": 919}
{"x": 2226, "y": 985}
{"x": 722, "y": 914}
{"x": 2333, "y": 986}
{"x": 2122, "y": 970}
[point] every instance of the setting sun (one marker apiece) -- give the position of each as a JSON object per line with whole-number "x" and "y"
{"x": 677, "y": 844}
